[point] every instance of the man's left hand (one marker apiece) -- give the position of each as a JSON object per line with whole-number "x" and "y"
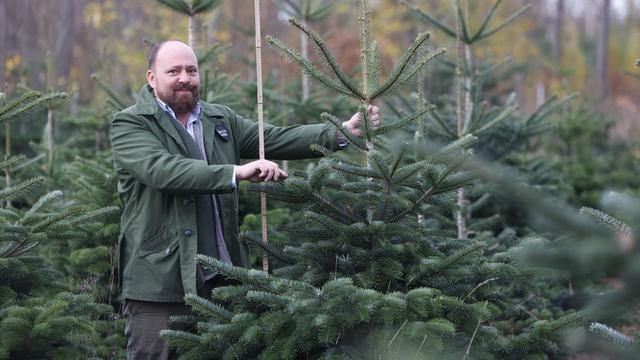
{"x": 353, "y": 124}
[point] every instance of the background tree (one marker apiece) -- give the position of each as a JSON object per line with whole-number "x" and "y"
{"x": 191, "y": 8}
{"x": 307, "y": 11}
{"x": 603, "y": 47}
{"x": 37, "y": 320}
{"x": 558, "y": 31}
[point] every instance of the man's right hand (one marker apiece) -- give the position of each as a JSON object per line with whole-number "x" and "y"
{"x": 260, "y": 171}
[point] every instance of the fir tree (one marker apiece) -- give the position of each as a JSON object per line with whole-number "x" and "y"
{"x": 37, "y": 323}
{"x": 592, "y": 248}
{"x": 359, "y": 276}
{"x": 50, "y": 328}
{"x": 501, "y": 130}
{"x": 89, "y": 258}
{"x": 307, "y": 11}
{"x": 485, "y": 213}
{"x": 191, "y": 8}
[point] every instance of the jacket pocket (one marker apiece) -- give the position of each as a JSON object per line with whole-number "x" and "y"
{"x": 163, "y": 240}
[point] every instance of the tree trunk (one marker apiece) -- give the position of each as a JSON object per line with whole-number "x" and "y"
{"x": 64, "y": 37}
{"x": 7, "y": 154}
{"x": 540, "y": 94}
{"x": 422, "y": 104}
{"x": 468, "y": 89}
{"x": 463, "y": 110}
{"x": 210, "y": 36}
{"x": 364, "y": 57}
{"x": 304, "y": 48}
{"x": 602, "y": 86}
{"x": 3, "y": 40}
{"x": 50, "y": 141}
{"x": 557, "y": 32}
{"x": 192, "y": 31}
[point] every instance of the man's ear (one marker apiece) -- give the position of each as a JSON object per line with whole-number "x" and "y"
{"x": 151, "y": 79}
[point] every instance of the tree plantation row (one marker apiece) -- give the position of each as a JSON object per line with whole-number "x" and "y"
{"x": 470, "y": 222}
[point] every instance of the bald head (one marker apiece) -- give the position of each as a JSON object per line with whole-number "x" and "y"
{"x": 155, "y": 50}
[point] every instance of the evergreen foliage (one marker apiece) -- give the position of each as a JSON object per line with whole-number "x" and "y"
{"x": 37, "y": 323}
{"x": 57, "y": 328}
{"x": 308, "y": 10}
{"x": 297, "y": 319}
{"x": 20, "y": 106}
{"x": 587, "y": 252}
{"x": 89, "y": 258}
{"x": 114, "y": 101}
{"x": 359, "y": 274}
{"x": 340, "y": 82}
{"x": 366, "y": 259}
{"x": 610, "y": 334}
{"x": 191, "y": 7}
{"x": 610, "y": 221}
{"x": 590, "y": 160}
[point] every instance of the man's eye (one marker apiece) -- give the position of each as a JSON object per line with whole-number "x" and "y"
{"x": 193, "y": 71}
{"x": 171, "y": 71}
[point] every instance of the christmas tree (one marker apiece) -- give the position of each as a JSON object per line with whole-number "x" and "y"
{"x": 36, "y": 319}
{"x": 361, "y": 274}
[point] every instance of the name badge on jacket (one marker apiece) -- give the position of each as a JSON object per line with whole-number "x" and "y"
{"x": 222, "y": 131}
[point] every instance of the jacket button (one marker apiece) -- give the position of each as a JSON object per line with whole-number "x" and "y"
{"x": 187, "y": 233}
{"x": 186, "y": 202}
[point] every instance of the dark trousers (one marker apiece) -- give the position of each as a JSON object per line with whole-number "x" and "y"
{"x": 145, "y": 319}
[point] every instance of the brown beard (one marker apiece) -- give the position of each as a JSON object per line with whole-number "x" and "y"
{"x": 182, "y": 105}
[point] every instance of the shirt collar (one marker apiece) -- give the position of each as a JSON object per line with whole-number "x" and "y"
{"x": 193, "y": 117}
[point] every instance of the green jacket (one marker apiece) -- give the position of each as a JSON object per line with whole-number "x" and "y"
{"x": 157, "y": 181}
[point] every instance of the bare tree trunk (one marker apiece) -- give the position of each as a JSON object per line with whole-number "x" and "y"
{"x": 50, "y": 146}
{"x": 304, "y": 48}
{"x": 7, "y": 154}
{"x": 192, "y": 31}
{"x": 557, "y": 32}
{"x": 99, "y": 139}
{"x": 50, "y": 66}
{"x": 3, "y": 40}
{"x": 468, "y": 89}
{"x": 629, "y": 34}
{"x": 462, "y": 101}
{"x": 540, "y": 94}
{"x": 210, "y": 34}
{"x": 422, "y": 104}
{"x": 64, "y": 37}
{"x": 602, "y": 86}
{"x": 364, "y": 57}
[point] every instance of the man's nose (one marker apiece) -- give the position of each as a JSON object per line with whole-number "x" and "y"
{"x": 184, "y": 77}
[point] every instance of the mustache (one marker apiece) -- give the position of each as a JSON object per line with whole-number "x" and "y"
{"x": 189, "y": 87}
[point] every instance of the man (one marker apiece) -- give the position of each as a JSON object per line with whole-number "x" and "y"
{"x": 177, "y": 164}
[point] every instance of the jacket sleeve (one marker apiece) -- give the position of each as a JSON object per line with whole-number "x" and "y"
{"x": 282, "y": 143}
{"x": 138, "y": 151}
